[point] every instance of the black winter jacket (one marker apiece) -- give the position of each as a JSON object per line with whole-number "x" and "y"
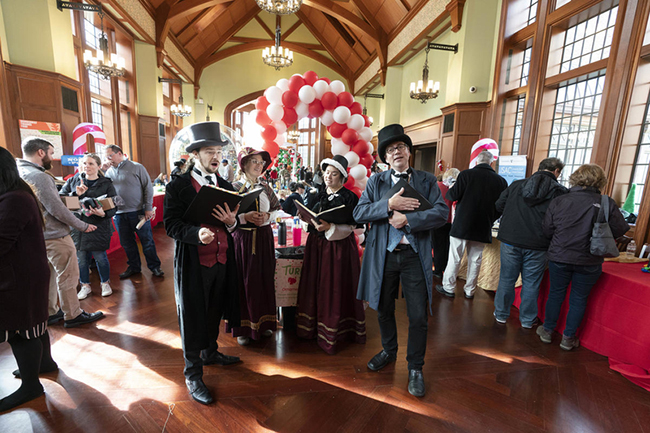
{"x": 100, "y": 239}
{"x": 476, "y": 190}
{"x": 523, "y": 206}
{"x": 569, "y": 221}
{"x": 289, "y": 206}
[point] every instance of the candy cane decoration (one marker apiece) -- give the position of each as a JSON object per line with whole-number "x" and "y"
{"x": 79, "y": 134}
{"x": 481, "y": 145}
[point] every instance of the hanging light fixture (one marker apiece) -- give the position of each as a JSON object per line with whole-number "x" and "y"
{"x": 180, "y": 109}
{"x": 103, "y": 63}
{"x": 365, "y": 110}
{"x": 276, "y": 56}
{"x": 280, "y": 7}
{"x": 293, "y": 135}
{"x": 418, "y": 91}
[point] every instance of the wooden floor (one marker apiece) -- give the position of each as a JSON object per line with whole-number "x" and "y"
{"x": 123, "y": 373}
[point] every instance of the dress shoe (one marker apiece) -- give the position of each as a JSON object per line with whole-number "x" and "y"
{"x": 198, "y": 391}
{"x": 221, "y": 359}
{"x": 440, "y": 289}
{"x": 128, "y": 273}
{"x": 83, "y": 318}
{"x": 380, "y": 360}
{"x": 55, "y": 318}
{"x": 158, "y": 272}
{"x": 416, "y": 383}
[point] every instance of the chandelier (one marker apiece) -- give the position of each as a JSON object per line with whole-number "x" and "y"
{"x": 280, "y": 7}
{"x": 276, "y": 56}
{"x": 293, "y": 135}
{"x": 417, "y": 90}
{"x": 179, "y": 109}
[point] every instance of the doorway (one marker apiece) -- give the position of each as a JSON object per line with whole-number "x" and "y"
{"x": 425, "y": 157}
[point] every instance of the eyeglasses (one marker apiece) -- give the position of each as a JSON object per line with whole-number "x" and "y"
{"x": 393, "y": 149}
{"x": 256, "y": 162}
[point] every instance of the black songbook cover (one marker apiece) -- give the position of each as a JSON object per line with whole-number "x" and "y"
{"x": 337, "y": 215}
{"x": 200, "y": 210}
{"x": 409, "y": 192}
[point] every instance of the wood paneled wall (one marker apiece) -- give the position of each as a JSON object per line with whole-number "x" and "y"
{"x": 470, "y": 121}
{"x": 151, "y": 146}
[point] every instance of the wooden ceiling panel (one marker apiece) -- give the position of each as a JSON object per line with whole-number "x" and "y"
{"x": 372, "y": 5}
{"x": 390, "y": 14}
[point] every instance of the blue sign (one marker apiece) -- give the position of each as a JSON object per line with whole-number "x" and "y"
{"x": 71, "y": 160}
{"x": 512, "y": 168}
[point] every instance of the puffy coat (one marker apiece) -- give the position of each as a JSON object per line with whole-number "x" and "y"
{"x": 100, "y": 239}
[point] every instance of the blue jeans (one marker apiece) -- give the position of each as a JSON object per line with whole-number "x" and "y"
{"x": 125, "y": 224}
{"x": 582, "y": 278}
{"x": 104, "y": 267}
{"x": 531, "y": 264}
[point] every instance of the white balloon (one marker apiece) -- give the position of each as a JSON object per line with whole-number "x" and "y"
{"x": 280, "y": 126}
{"x": 353, "y": 159}
{"x": 358, "y": 172}
{"x": 307, "y": 94}
{"x": 341, "y": 114}
{"x": 275, "y": 112}
{"x": 356, "y": 122}
{"x": 280, "y": 140}
{"x": 320, "y": 87}
{"x": 327, "y": 117}
{"x": 371, "y": 148}
{"x": 339, "y": 148}
{"x": 361, "y": 237}
{"x": 361, "y": 183}
{"x": 359, "y": 231}
{"x": 274, "y": 95}
{"x": 302, "y": 110}
{"x": 365, "y": 133}
{"x": 337, "y": 87}
{"x": 283, "y": 84}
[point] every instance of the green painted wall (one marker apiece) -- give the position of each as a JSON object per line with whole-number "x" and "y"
{"x": 239, "y": 75}
{"x": 150, "y": 97}
{"x": 39, "y": 36}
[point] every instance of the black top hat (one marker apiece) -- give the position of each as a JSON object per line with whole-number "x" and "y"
{"x": 339, "y": 162}
{"x": 204, "y": 134}
{"x": 390, "y": 134}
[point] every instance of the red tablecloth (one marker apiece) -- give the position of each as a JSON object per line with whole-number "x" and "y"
{"x": 158, "y": 202}
{"x": 617, "y": 320}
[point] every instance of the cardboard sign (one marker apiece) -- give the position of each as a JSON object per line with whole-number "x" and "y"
{"x": 48, "y": 131}
{"x": 287, "y": 280}
{"x": 71, "y": 202}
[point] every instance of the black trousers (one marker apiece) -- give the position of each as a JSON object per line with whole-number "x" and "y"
{"x": 440, "y": 242}
{"x": 404, "y": 266}
{"x": 213, "y": 289}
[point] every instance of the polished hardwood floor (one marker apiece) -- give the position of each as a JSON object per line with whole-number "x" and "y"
{"x": 124, "y": 373}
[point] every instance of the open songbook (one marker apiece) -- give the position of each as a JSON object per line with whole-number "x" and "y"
{"x": 200, "y": 210}
{"x": 337, "y": 215}
{"x": 409, "y": 192}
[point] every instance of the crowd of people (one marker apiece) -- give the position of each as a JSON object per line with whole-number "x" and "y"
{"x": 225, "y": 269}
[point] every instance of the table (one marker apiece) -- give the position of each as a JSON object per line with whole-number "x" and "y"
{"x": 616, "y": 323}
{"x": 488, "y": 278}
{"x": 158, "y": 203}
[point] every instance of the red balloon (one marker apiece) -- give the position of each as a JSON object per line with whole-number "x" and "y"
{"x": 360, "y": 148}
{"x": 366, "y": 160}
{"x": 295, "y": 83}
{"x": 367, "y": 120}
{"x": 327, "y": 80}
{"x": 310, "y": 77}
{"x": 289, "y": 99}
{"x": 261, "y": 118}
{"x": 337, "y": 129}
{"x": 357, "y": 191}
{"x": 356, "y": 108}
{"x": 290, "y": 116}
{"x": 272, "y": 148}
{"x": 350, "y": 136}
{"x": 349, "y": 184}
{"x": 368, "y": 173}
{"x": 316, "y": 109}
{"x": 329, "y": 100}
{"x": 346, "y": 99}
{"x": 261, "y": 103}
{"x": 269, "y": 133}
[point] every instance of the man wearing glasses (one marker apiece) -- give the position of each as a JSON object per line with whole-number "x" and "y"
{"x": 398, "y": 248}
{"x": 133, "y": 184}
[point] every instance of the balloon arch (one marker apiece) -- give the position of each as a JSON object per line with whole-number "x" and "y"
{"x": 308, "y": 95}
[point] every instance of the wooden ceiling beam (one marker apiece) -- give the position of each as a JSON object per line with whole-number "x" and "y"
{"x": 189, "y": 7}
{"x": 162, "y": 30}
{"x": 342, "y": 14}
{"x": 264, "y": 26}
{"x": 381, "y": 40}
{"x": 291, "y": 29}
{"x": 204, "y": 21}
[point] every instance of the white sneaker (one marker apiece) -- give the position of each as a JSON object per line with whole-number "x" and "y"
{"x": 243, "y": 341}
{"x": 84, "y": 292}
{"x": 106, "y": 289}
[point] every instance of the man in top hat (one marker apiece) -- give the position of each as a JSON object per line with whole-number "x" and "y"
{"x": 398, "y": 248}
{"x": 205, "y": 274}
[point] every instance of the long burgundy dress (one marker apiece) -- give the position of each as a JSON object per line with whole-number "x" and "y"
{"x": 255, "y": 257}
{"x": 328, "y": 308}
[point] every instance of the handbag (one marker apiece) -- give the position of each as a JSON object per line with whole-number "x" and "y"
{"x": 602, "y": 243}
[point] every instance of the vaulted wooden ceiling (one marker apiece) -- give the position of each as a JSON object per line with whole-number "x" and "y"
{"x": 345, "y": 35}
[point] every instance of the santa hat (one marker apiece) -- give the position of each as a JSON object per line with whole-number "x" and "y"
{"x": 482, "y": 145}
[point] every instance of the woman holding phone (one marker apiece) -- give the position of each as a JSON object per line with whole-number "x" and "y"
{"x": 328, "y": 308}
{"x": 90, "y": 182}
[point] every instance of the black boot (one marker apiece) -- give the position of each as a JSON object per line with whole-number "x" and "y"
{"x": 28, "y": 357}
{"x": 47, "y": 363}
